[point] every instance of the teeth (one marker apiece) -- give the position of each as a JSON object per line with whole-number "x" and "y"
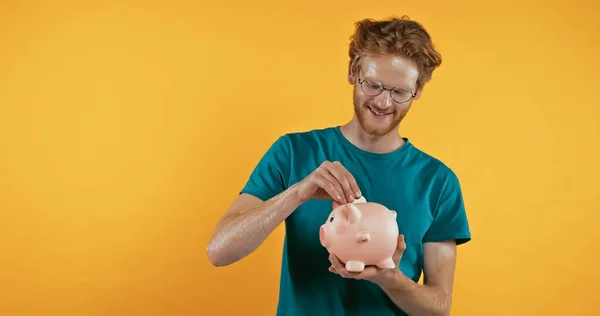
{"x": 377, "y": 113}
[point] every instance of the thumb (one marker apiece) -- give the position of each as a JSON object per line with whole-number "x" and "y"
{"x": 401, "y": 242}
{"x": 400, "y": 248}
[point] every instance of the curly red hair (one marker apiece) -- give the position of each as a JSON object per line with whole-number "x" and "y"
{"x": 396, "y": 36}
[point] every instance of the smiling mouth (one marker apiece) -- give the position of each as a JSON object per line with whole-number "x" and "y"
{"x": 378, "y": 113}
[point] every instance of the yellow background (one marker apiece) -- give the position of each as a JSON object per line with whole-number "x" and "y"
{"x": 126, "y": 130}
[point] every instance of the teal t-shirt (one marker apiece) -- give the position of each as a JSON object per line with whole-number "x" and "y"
{"x": 424, "y": 192}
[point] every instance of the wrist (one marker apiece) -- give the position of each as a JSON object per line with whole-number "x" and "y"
{"x": 393, "y": 281}
{"x": 294, "y": 195}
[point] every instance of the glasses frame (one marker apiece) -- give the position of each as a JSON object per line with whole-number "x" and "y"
{"x": 382, "y": 88}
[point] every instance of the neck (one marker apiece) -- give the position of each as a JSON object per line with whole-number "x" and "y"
{"x": 373, "y": 143}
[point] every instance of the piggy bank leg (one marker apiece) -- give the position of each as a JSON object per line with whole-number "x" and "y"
{"x": 386, "y": 264}
{"x": 355, "y": 266}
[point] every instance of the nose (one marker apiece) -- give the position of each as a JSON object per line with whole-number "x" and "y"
{"x": 383, "y": 100}
{"x": 322, "y": 236}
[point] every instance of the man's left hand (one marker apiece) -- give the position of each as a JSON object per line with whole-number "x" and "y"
{"x": 372, "y": 273}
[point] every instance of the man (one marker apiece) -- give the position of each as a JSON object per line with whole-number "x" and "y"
{"x": 303, "y": 175}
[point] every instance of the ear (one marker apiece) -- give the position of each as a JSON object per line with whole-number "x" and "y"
{"x": 394, "y": 213}
{"x": 352, "y": 71}
{"x": 353, "y": 213}
{"x": 419, "y": 93}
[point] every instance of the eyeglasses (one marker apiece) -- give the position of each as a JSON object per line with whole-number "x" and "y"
{"x": 374, "y": 88}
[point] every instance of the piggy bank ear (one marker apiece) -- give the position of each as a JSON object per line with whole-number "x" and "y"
{"x": 334, "y": 205}
{"x": 394, "y": 213}
{"x": 353, "y": 213}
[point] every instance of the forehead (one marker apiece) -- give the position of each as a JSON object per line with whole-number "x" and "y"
{"x": 390, "y": 70}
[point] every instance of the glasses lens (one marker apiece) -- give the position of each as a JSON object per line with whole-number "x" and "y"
{"x": 401, "y": 95}
{"x": 370, "y": 88}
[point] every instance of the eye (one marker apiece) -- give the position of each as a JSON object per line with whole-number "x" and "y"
{"x": 402, "y": 93}
{"x": 373, "y": 85}
{"x": 331, "y": 219}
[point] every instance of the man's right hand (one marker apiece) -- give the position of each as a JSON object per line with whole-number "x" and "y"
{"x": 330, "y": 181}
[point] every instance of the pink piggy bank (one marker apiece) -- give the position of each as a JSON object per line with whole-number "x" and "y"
{"x": 361, "y": 234}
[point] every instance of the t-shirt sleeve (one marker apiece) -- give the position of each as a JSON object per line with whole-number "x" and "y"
{"x": 450, "y": 218}
{"x": 271, "y": 174}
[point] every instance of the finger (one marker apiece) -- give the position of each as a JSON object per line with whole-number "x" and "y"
{"x": 340, "y": 196}
{"x": 326, "y": 172}
{"x": 354, "y": 275}
{"x": 330, "y": 188}
{"x": 335, "y": 263}
{"x": 344, "y": 273}
{"x": 341, "y": 268}
{"x": 342, "y": 175}
{"x": 368, "y": 273}
{"x": 344, "y": 178}
{"x": 354, "y": 185}
{"x": 332, "y": 270}
{"x": 337, "y": 266}
{"x": 349, "y": 178}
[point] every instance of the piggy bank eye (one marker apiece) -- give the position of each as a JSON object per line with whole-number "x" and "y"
{"x": 331, "y": 219}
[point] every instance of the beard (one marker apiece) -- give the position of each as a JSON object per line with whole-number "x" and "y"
{"x": 373, "y": 126}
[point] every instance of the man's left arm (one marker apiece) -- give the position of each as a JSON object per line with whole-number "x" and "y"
{"x": 448, "y": 229}
{"x": 431, "y": 298}
{"x": 434, "y": 296}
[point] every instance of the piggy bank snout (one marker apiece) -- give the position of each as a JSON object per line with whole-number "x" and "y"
{"x": 323, "y": 236}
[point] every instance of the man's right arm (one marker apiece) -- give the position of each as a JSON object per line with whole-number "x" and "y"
{"x": 247, "y": 223}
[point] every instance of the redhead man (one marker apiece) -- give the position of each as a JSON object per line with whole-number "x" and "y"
{"x": 304, "y": 174}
